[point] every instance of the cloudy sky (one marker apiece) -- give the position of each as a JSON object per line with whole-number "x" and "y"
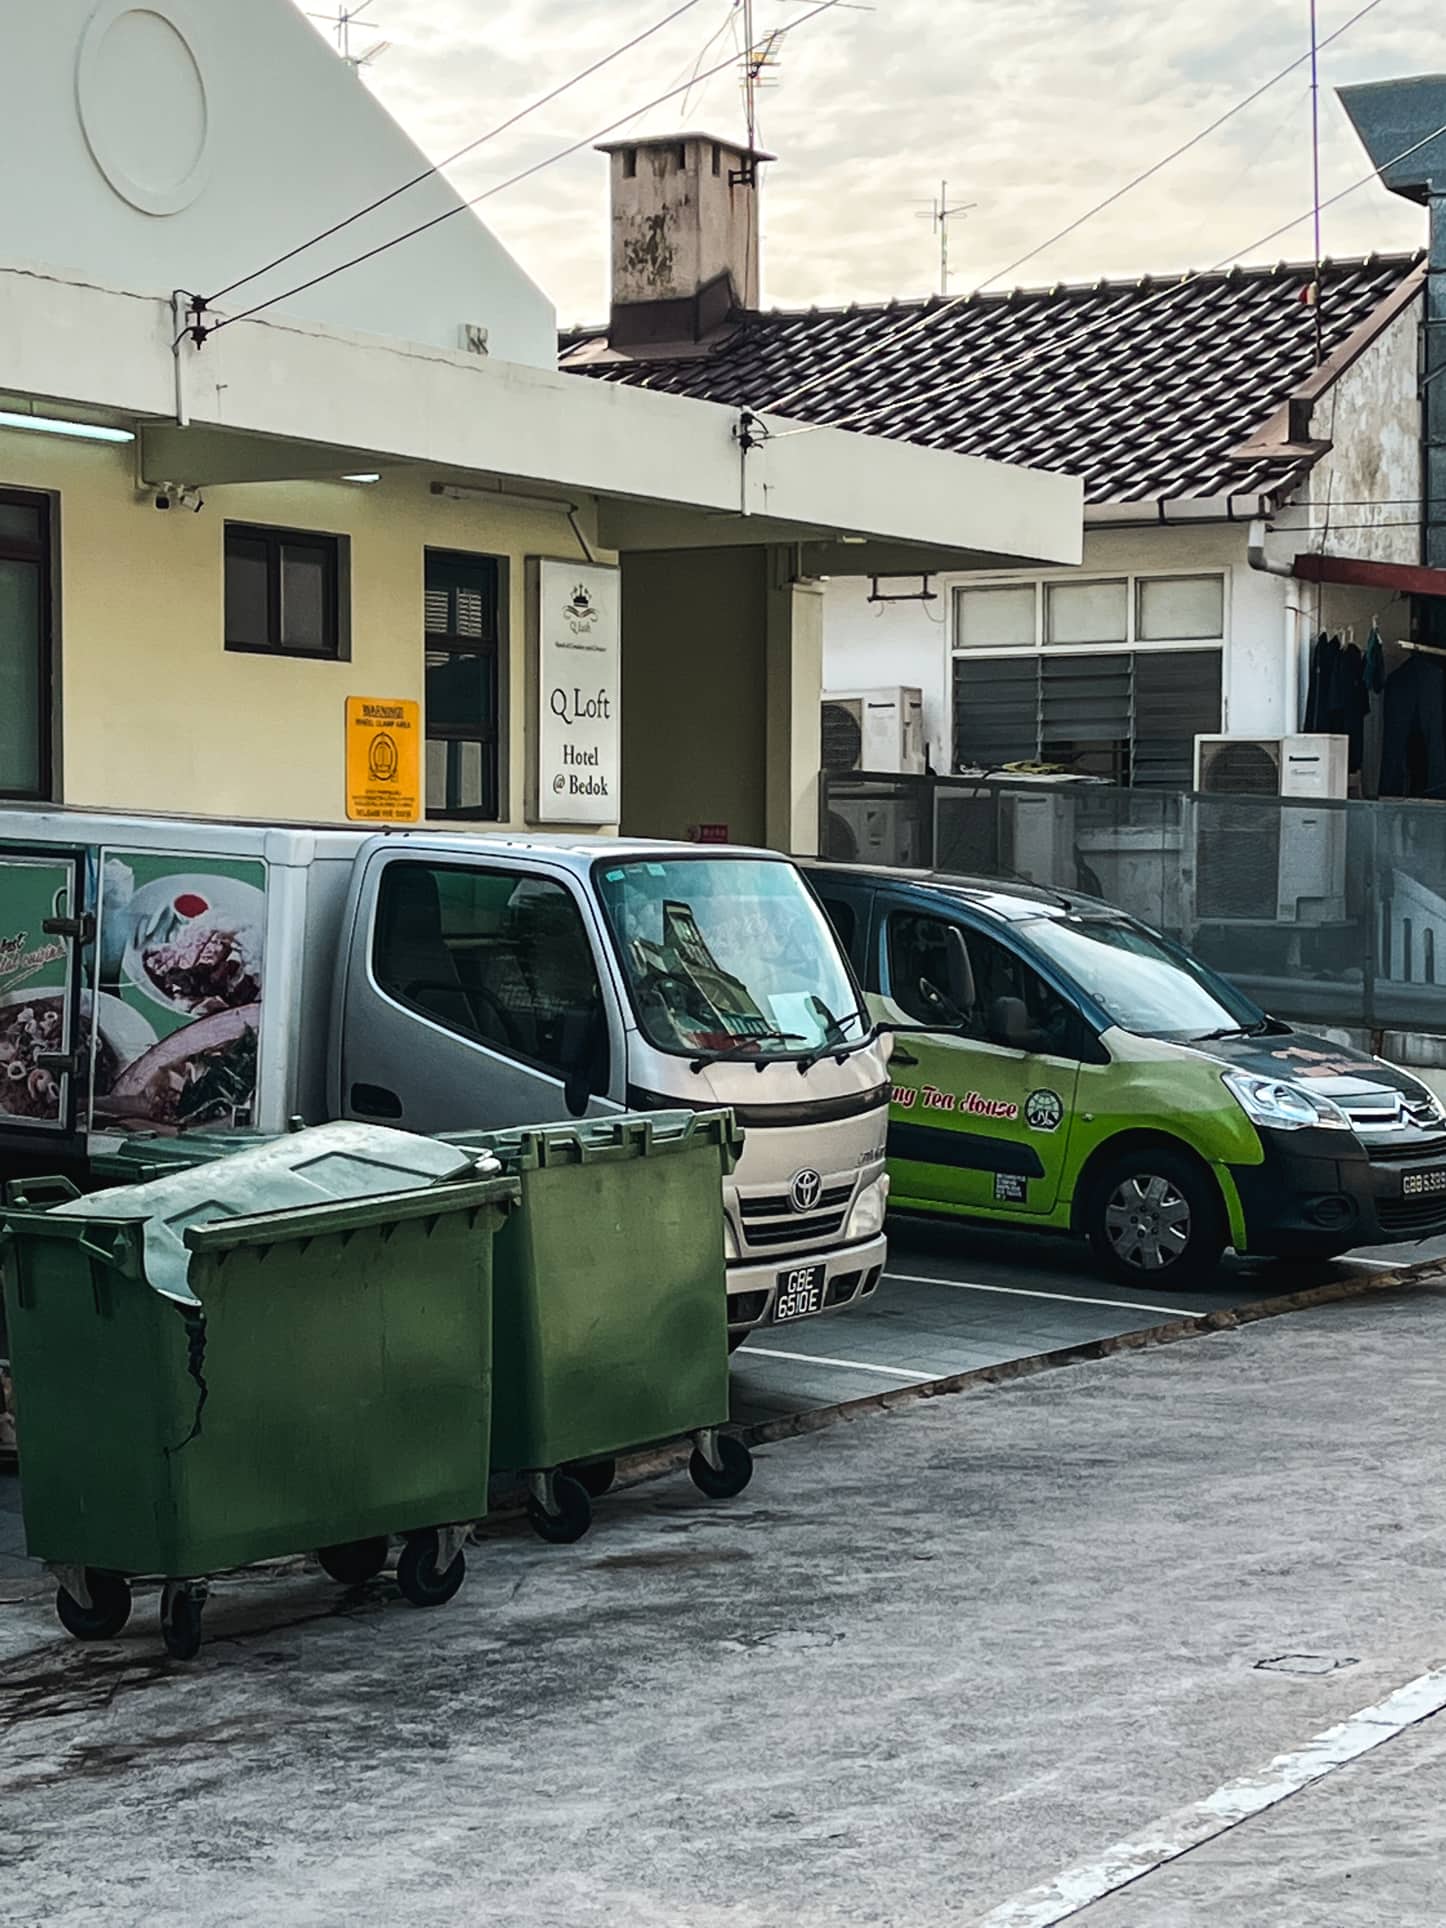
{"x": 1033, "y": 109}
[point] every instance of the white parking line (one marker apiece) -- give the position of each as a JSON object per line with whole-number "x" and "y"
{"x": 913, "y": 1374}
{"x": 1165, "y": 1840}
{"x": 1068, "y": 1298}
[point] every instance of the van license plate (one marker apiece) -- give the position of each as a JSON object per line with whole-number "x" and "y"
{"x": 1424, "y": 1184}
{"x": 800, "y": 1293}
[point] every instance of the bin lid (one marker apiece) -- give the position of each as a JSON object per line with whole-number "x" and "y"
{"x": 585, "y": 1141}
{"x": 324, "y": 1163}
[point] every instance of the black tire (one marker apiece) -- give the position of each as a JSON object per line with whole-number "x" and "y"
{"x": 572, "y": 1518}
{"x": 735, "y": 1339}
{"x": 109, "y": 1610}
{"x": 181, "y": 1625}
{"x": 354, "y": 1562}
{"x": 1154, "y": 1218}
{"x": 728, "y": 1481}
{"x": 595, "y": 1476}
{"x": 417, "y": 1574}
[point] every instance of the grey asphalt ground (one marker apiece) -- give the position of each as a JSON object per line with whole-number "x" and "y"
{"x": 957, "y": 1297}
{"x": 928, "y": 1660}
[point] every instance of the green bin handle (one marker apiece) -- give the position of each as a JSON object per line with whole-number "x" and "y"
{"x": 34, "y": 1194}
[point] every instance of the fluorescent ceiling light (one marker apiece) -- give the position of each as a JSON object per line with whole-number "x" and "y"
{"x": 80, "y": 431}
{"x": 361, "y": 478}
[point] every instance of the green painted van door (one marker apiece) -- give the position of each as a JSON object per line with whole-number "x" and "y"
{"x": 975, "y": 1122}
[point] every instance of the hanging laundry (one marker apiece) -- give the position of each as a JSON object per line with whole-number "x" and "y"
{"x": 1375, "y": 666}
{"x": 1337, "y": 700}
{"x": 1413, "y": 741}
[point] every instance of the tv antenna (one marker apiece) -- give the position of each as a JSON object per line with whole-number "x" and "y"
{"x": 340, "y": 23}
{"x": 939, "y": 216}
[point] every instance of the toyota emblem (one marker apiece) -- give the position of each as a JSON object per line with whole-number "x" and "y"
{"x": 804, "y": 1189}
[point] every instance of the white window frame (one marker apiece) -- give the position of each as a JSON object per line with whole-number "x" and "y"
{"x": 1131, "y": 578}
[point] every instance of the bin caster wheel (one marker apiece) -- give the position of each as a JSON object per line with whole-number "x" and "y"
{"x": 417, "y": 1574}
{"x": 109, "y": 1609}
{"x": 726, "y": 1481}
{"x": 181, "y": 1610}
{"x": 572, "y": 1518}
{"x": 354, "y": 1562}
{"x": 596, "y": 1477}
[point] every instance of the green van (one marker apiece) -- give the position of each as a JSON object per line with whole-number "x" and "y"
{"x": 1089, "y": 1076}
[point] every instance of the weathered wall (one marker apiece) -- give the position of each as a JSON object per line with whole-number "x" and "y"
{"x": 1365, "y": 495}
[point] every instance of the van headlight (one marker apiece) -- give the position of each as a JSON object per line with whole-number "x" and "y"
{"x": 867, "y": 1216}
{"x": 1280, "y": 1105}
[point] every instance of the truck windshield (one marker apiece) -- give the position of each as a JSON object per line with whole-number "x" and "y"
{"x": 1144, "y": 983}
{"x": 728, "y": 957}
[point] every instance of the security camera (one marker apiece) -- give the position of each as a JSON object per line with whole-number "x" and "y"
{"x": 173, "y": 495}
{"x": 163, "y": 500}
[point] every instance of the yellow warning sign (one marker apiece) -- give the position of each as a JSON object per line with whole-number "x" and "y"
{"x": 383, "y": 760}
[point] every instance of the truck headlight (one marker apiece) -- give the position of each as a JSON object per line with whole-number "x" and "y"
{"x": 867, "y": 1216}
{"x": 730, "y": 1238}
{"x": 1280, "y": 1105}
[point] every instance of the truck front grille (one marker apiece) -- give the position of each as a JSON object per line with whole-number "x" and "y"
{"x": 770, "y": 1220}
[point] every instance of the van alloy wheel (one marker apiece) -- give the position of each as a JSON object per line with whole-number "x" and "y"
{"x": 1148, "y": 1222}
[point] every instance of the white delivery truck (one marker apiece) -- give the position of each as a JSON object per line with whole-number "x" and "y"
{"x": 164, "y": 975}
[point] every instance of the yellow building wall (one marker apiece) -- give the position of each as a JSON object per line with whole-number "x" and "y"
{"x": 157, "y": 715}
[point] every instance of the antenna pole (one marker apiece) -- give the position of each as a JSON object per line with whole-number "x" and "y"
{"x": 750, "y": 80}
{"x": 1315, "y": 176}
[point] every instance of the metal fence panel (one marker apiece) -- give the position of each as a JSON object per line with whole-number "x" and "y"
{"x": 1326, "y": 913}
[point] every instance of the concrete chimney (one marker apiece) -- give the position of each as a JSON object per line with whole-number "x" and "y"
{"x": 684, "y": 238}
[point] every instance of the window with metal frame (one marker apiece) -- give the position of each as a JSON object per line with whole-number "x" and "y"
{"x": 500, "y": 956}
{"x": 463, "y": 655}
{"x": 1113, "y": 677}
{"x": 26, "y": 680}
{"x": 287, "y": 592}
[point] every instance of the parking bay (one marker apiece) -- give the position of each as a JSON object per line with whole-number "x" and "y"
{"x": 956, "y": 1298}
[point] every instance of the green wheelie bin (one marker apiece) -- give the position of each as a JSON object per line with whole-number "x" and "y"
{"x": 610, "y": 1305}
{"x": 321, "y": 1380}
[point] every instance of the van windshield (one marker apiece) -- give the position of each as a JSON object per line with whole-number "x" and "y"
{"x": 1145, "y": 984}
{"x": 728, "y": 957}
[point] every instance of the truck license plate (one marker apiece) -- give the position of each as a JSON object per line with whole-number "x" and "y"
{"x": 1424, "y": 1184}
{"x": 800, "y": 1293}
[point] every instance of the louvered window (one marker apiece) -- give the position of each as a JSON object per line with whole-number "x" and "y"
{"x": 1111, "y": 677}
{"x": 463, "y": 609}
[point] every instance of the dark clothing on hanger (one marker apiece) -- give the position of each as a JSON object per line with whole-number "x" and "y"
{"x": 1413, "y": 740}
{"x": 1337, "y": 700}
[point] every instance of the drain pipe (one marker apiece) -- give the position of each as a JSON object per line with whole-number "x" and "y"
{"x": 1290, "y": 640}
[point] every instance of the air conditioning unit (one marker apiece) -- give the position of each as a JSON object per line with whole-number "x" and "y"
{"x": 1255, "y": 864}
{"x": 862, "y": 830}
{"x": 1037, "y": 836}
{"x": 881, "y": 731}
{"x": 1272, "y": 766}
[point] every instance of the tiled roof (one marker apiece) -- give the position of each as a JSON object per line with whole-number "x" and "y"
{"x": 1142, "y": 392}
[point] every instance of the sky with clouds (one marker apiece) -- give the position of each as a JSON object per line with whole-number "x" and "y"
{"x": 1032, "y": 109}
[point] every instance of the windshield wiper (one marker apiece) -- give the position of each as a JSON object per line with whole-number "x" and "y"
{"x": 745, "y": 1045}
{"x": 835, "y": 1031}
{"x": 1262, "y": 1028}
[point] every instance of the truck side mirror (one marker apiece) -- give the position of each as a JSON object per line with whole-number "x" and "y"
{"x": 581, "y": 1031}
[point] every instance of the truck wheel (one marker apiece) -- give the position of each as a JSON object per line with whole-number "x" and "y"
{"x": 354, "y": 1562}
{"x": 1154, "y": 1217}
{"x": 735, "y": 1339}
{"x": 572, "y": 1518}
{"x": 417, "y": 1574}
{"x": 727, "y": 1481}
{"x": 109, "y": 1609}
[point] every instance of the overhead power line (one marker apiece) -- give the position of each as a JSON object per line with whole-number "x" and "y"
{"x": 1062, "y": 343}
{"x": 427, "y": 174}
{"x": 200, "y": 332}
{"x": 935, "y": 314}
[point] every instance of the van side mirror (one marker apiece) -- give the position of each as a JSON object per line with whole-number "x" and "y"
{"x": 960, "y": 970}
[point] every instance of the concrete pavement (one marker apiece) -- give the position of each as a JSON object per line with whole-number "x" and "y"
{"x": 925, "y": 1663}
